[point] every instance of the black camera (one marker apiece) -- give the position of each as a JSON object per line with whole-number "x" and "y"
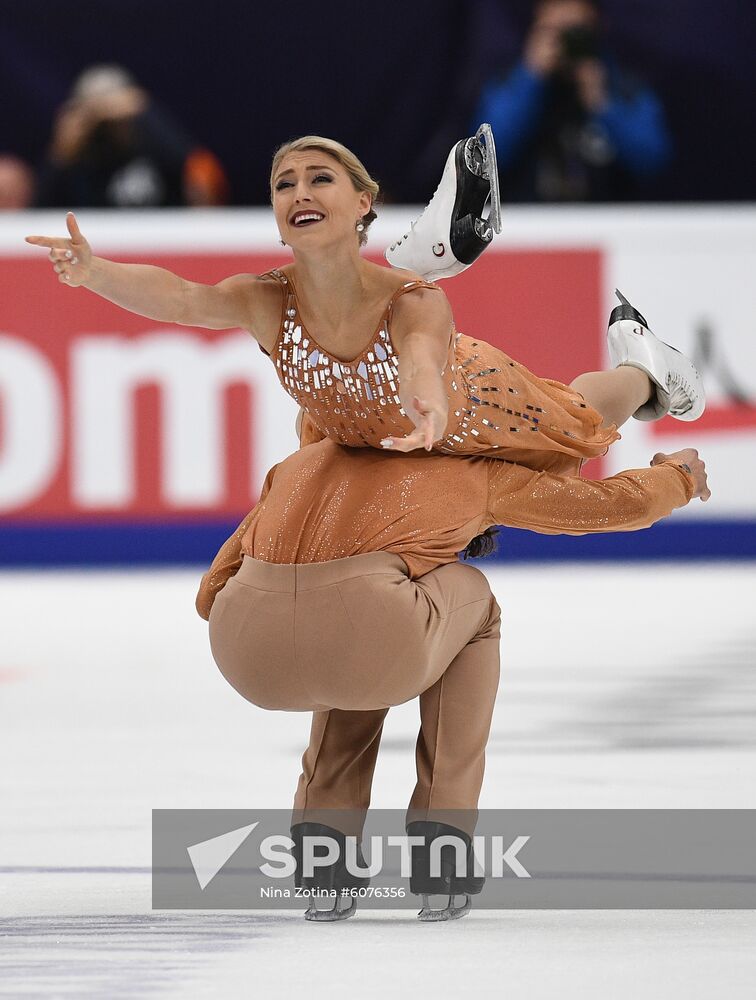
{"x": 579, "y": 42}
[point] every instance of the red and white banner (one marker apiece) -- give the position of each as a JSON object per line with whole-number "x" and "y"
{"x": 106, "y": 415}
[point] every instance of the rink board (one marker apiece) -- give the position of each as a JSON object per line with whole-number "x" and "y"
{"x": 123, "y": 440}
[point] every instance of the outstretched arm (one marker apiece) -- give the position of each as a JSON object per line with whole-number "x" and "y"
{"x": 152, "y": 291}
{"x": 570, "y": 505}
{"x": 421, "y": 328}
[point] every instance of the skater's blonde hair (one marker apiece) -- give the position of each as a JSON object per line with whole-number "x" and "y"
{"x": 360, "y": 178}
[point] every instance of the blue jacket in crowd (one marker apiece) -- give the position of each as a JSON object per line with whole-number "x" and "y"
{"x": 550, "y": 148}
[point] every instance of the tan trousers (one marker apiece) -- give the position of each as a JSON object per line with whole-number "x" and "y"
{"x": 349, "y": 638}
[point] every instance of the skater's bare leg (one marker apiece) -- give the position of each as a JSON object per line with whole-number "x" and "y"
{"x": 616, "y": 394}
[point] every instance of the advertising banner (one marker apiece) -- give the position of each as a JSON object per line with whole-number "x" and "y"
{"x": 124, "y": 439}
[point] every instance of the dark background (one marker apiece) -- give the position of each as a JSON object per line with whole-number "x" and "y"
{"x": 395, "y": 81}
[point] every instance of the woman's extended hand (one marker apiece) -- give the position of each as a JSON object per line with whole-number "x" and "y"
{"x": 71, "y": 258}
{"x": 430, "y": 423}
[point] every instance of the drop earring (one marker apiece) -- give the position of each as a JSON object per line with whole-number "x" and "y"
{"x": 360, "y": 227}
{"x": 282, "y": 242}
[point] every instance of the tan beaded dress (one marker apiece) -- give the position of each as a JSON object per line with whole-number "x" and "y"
{"x": 497, "y": 407}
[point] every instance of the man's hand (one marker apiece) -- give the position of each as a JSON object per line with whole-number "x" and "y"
{"x": 72, "y": 128}
{"x": 543, "y": 49}
{"x": 590, "y": 79}
{"x": 689, "y": 457}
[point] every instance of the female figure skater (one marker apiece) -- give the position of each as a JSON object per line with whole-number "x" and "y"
{"x": 341, "y": 593}
{"x": 372, "y": 365}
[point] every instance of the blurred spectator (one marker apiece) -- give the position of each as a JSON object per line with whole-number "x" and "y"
{"x": 569, "y": 124}
{"x": 112, "y": 147}
{"x": 16, "y": 183}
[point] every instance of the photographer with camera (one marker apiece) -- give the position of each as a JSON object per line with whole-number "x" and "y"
{"x": 113, "y": 146}
{"x": 569, "y": 125}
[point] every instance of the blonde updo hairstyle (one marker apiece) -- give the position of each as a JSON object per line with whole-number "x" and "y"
{"x": 360, "y": 178}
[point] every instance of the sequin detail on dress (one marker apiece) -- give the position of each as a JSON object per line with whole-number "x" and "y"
{"x": 355, "y": 403}
{"x": 496, "y": 406}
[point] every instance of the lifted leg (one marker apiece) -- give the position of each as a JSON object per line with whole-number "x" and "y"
{"x": 453, "y": 232}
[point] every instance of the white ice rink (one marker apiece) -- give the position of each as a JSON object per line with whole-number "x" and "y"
{"x": 621, "y": 687}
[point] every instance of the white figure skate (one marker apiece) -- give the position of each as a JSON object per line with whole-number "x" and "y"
{"x": 679, "y": 387}
{"x": 451, "y": 233}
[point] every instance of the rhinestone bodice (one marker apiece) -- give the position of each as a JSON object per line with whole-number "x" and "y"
{"x": 496, "y": 406}
{"x": 357, "y": 402}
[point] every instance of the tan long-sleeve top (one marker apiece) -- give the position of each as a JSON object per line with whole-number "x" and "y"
{"x": 327, "y": 501}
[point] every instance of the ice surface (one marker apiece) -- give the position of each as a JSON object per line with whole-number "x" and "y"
{"x": 621, "y": 687}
